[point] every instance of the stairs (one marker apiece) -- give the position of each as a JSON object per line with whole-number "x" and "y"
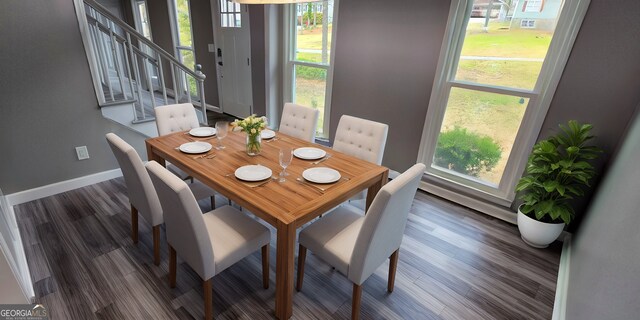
{"x": 132, "y": 75}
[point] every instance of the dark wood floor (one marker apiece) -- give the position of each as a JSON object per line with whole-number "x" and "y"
{"x": 454, "y": 264}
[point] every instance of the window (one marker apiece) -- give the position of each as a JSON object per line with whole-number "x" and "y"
{"x": 183, "y": 41}
{"x": 493, "y": 88}
{"x": 533, "y": 6}
{"x": 525, "y": 23}
{"x": 230, "y": 14}
{"x": 141, "y": 17}
{"x": 309, "y": 46}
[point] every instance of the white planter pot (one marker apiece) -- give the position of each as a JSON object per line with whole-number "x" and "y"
{"x": 538, "y": 234}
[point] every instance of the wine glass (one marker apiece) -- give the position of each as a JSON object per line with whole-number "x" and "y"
{"x": 285, "y": 156}
{"x": 221, "y": 131}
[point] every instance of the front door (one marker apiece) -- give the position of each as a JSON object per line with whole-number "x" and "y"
{"x": 233, "y": 57}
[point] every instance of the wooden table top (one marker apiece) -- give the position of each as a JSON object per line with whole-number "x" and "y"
{"x": 291, "y": 202}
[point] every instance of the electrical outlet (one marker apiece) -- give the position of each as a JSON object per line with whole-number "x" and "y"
{"x": 82, "y": 152}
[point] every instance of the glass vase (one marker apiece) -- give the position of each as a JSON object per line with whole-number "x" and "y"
{"x": 254, "y": 144}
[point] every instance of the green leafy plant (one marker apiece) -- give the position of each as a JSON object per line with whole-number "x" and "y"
{"x": 466, "y": 152}
{"x": 557, "y": 171}
{"x": 311, "y": 73}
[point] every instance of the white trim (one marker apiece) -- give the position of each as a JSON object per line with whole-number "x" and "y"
{"x": 569, "y": 23}
{"x": 562, "y": 284}
{"x": 18, "y": 265}
{"x": 486, "y": 208}
{"x": 216, "y": 25}
{"x": 62, "y": 186}
{"x": 493, "y": 88}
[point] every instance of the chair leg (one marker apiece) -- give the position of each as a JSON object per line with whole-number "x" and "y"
{"x": 134, "y": 224}
{"x": 213, "y": 202}
{"x": 265, "y": 266}
{"x": 208, "y": 299}
{"x": 393, "y": 266}
{"x": 156, "y": 245}
{"x": 172, "y": 267}
{"x": 302, "y": 255}
{"x": 355, "y": 302}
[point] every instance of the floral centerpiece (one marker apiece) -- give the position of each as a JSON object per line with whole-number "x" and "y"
{"x": 252, "y": 126}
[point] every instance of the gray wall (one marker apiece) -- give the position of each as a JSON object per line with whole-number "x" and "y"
{"x": 601, "y": 82}
{"x": 258, "y": 48}
{"x": 202, "y": 37}
{"x": 385, "y": 61}
{"x": 48, "y": 102}
{"x": 384, "y": 71}
{"x": 605, "y": 256}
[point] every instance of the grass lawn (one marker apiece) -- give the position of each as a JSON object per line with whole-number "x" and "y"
{"x": 312, "y": 38}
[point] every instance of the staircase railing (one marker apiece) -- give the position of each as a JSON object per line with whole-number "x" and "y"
{"x": 132, "y": 69}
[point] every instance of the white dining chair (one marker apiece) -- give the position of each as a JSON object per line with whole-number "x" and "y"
{"x": 299, "y": 121}
{"x": 174, "y": 118}
{"x": 363, "y": 139}
{"x": 210, "y": 242}
{"x": 142, "y": 195}
{"x": 357, "y": 245}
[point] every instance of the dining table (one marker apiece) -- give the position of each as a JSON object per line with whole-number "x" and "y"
{"x": 285, "y": 205}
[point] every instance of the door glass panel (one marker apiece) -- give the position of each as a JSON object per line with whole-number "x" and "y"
{"x": 478, "y": 132}
{"x": 313, "y": 32}
{"x": 230, "y": 14}
{"x": 310, "y": 86}
{"x": 499, "y": 51}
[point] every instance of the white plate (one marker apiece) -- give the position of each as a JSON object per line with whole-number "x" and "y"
{"x": 253, "y": 173}
{"x": 203, "y": 132}
{"x": 195, "y": 147}
{"x": 309, "y": 153}
{"x": 267, "y": 134}
{"x": 321, "y": 175}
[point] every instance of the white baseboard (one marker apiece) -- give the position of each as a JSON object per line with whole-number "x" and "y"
{"x": 487, "y": 208}
{"x": 562, "y": 286}
{"x": 59, "y": 187}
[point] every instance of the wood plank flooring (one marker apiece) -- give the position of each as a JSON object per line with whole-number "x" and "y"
{"x": 454, "y": 264}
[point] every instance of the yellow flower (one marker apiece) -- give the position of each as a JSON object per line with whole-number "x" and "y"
{"x": 253, "y": 131}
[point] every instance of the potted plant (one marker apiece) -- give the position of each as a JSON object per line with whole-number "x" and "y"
{"x": 557, "y": 171}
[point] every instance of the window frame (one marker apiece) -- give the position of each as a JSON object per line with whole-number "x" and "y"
{"x": 568, "y": 25}
{"x": 290, "y": 14}
{"x": 175, "y": 33}
{"x": 533, "y": 6}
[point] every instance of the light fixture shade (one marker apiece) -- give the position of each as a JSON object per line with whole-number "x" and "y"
{"x": 271, "y": 1}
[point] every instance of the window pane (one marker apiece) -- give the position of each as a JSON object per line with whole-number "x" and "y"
{"x": 224, "y": 20}
{"x": 500, "y": 50}
{"x": 478, "y": 131}
{"x": 223, "y": 6}
{"x": 313, "y": 32}
{"x": 187, "y": 58}
{"x": 309, "y": 90}
{"x": 184, "y": 23}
